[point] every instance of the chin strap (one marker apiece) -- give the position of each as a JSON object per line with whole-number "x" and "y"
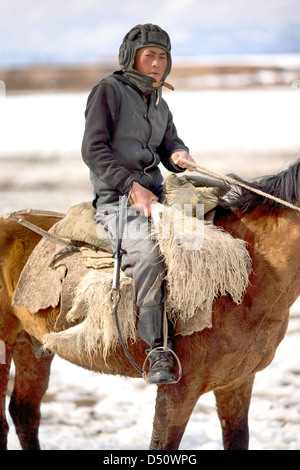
{"x": 167, "y": 85}
{"x": 156, "y": 85}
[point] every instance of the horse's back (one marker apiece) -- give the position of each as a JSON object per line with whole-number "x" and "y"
{"x": 14, "y": 234}
{"x": 16, "y": 244}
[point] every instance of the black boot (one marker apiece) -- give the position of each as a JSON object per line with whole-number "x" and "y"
{"x": 150, "y": 329}
{"x": 161, "y": 370}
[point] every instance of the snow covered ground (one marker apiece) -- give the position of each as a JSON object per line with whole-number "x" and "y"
{"x": 250, "y": 133}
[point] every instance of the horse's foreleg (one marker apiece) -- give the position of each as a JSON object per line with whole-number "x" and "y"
{"x": 5, "y": 360}
{"x": 31, "y": 382}
{"x": 174, "y": 405}
{"x": 232, "y": 406}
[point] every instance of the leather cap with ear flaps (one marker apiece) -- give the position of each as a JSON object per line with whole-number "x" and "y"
{"x": 142, "y": 36}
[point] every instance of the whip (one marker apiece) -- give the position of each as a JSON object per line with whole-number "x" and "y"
{"x": 232, "y": 181}
{"x": 116, "y": 276}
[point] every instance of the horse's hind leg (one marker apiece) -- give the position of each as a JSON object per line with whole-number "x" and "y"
{"x": 31, "y": 382}
{"x": 233, "y": 406}
{"x": 5, "y": 360}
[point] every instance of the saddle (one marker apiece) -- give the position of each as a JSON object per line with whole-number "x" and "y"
{"x": 183, "y": 192}
{"x": 78, "y": 283}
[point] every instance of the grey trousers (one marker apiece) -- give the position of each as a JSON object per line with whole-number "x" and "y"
{"x": 142, "y": 261}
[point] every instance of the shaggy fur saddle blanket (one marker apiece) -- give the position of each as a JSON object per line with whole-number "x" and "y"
{"x": 203, "y": 262}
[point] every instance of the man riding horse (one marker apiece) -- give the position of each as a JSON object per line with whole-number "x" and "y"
{"x": 129, "y": 131}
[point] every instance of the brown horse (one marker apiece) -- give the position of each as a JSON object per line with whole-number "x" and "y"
{"x": 223, "y": 359}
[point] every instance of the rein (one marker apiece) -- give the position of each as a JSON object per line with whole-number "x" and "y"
{"x": 232, "y": 181}
{"x": 195, "y": 166}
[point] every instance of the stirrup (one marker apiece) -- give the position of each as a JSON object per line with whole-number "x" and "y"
{"x": 162, "y": 349}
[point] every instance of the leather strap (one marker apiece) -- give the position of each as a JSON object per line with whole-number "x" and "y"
{"x": 167, "y": 85}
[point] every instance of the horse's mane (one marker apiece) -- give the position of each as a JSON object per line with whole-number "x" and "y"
{"x": 285, "y": 186}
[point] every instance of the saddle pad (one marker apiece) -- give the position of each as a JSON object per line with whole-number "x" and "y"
{"x": 44, "y": 284}
{"x": 80, "y": 225}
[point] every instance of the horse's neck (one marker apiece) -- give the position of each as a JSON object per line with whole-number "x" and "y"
{"x": 274, "y": 242}
{"x": 276, "y": 238}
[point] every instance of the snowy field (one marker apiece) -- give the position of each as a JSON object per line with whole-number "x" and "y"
{"x": 250, "y": 133}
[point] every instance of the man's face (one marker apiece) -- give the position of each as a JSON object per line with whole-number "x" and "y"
{"x": 151, "y": 61}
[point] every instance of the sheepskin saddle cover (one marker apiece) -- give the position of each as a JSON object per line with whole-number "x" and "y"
{"x": 203, "y": 262}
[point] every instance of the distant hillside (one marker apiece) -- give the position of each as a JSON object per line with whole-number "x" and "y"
{"x": 188, "y": 75}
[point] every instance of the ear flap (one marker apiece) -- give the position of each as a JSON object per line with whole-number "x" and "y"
{"x": 126, "y": 54}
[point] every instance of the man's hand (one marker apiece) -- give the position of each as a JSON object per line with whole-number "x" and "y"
{"x": 141, "y": 198}
{"x": 182, "y": 154}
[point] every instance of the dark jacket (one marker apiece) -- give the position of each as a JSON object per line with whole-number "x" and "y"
{"x": 126, "y": 138}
